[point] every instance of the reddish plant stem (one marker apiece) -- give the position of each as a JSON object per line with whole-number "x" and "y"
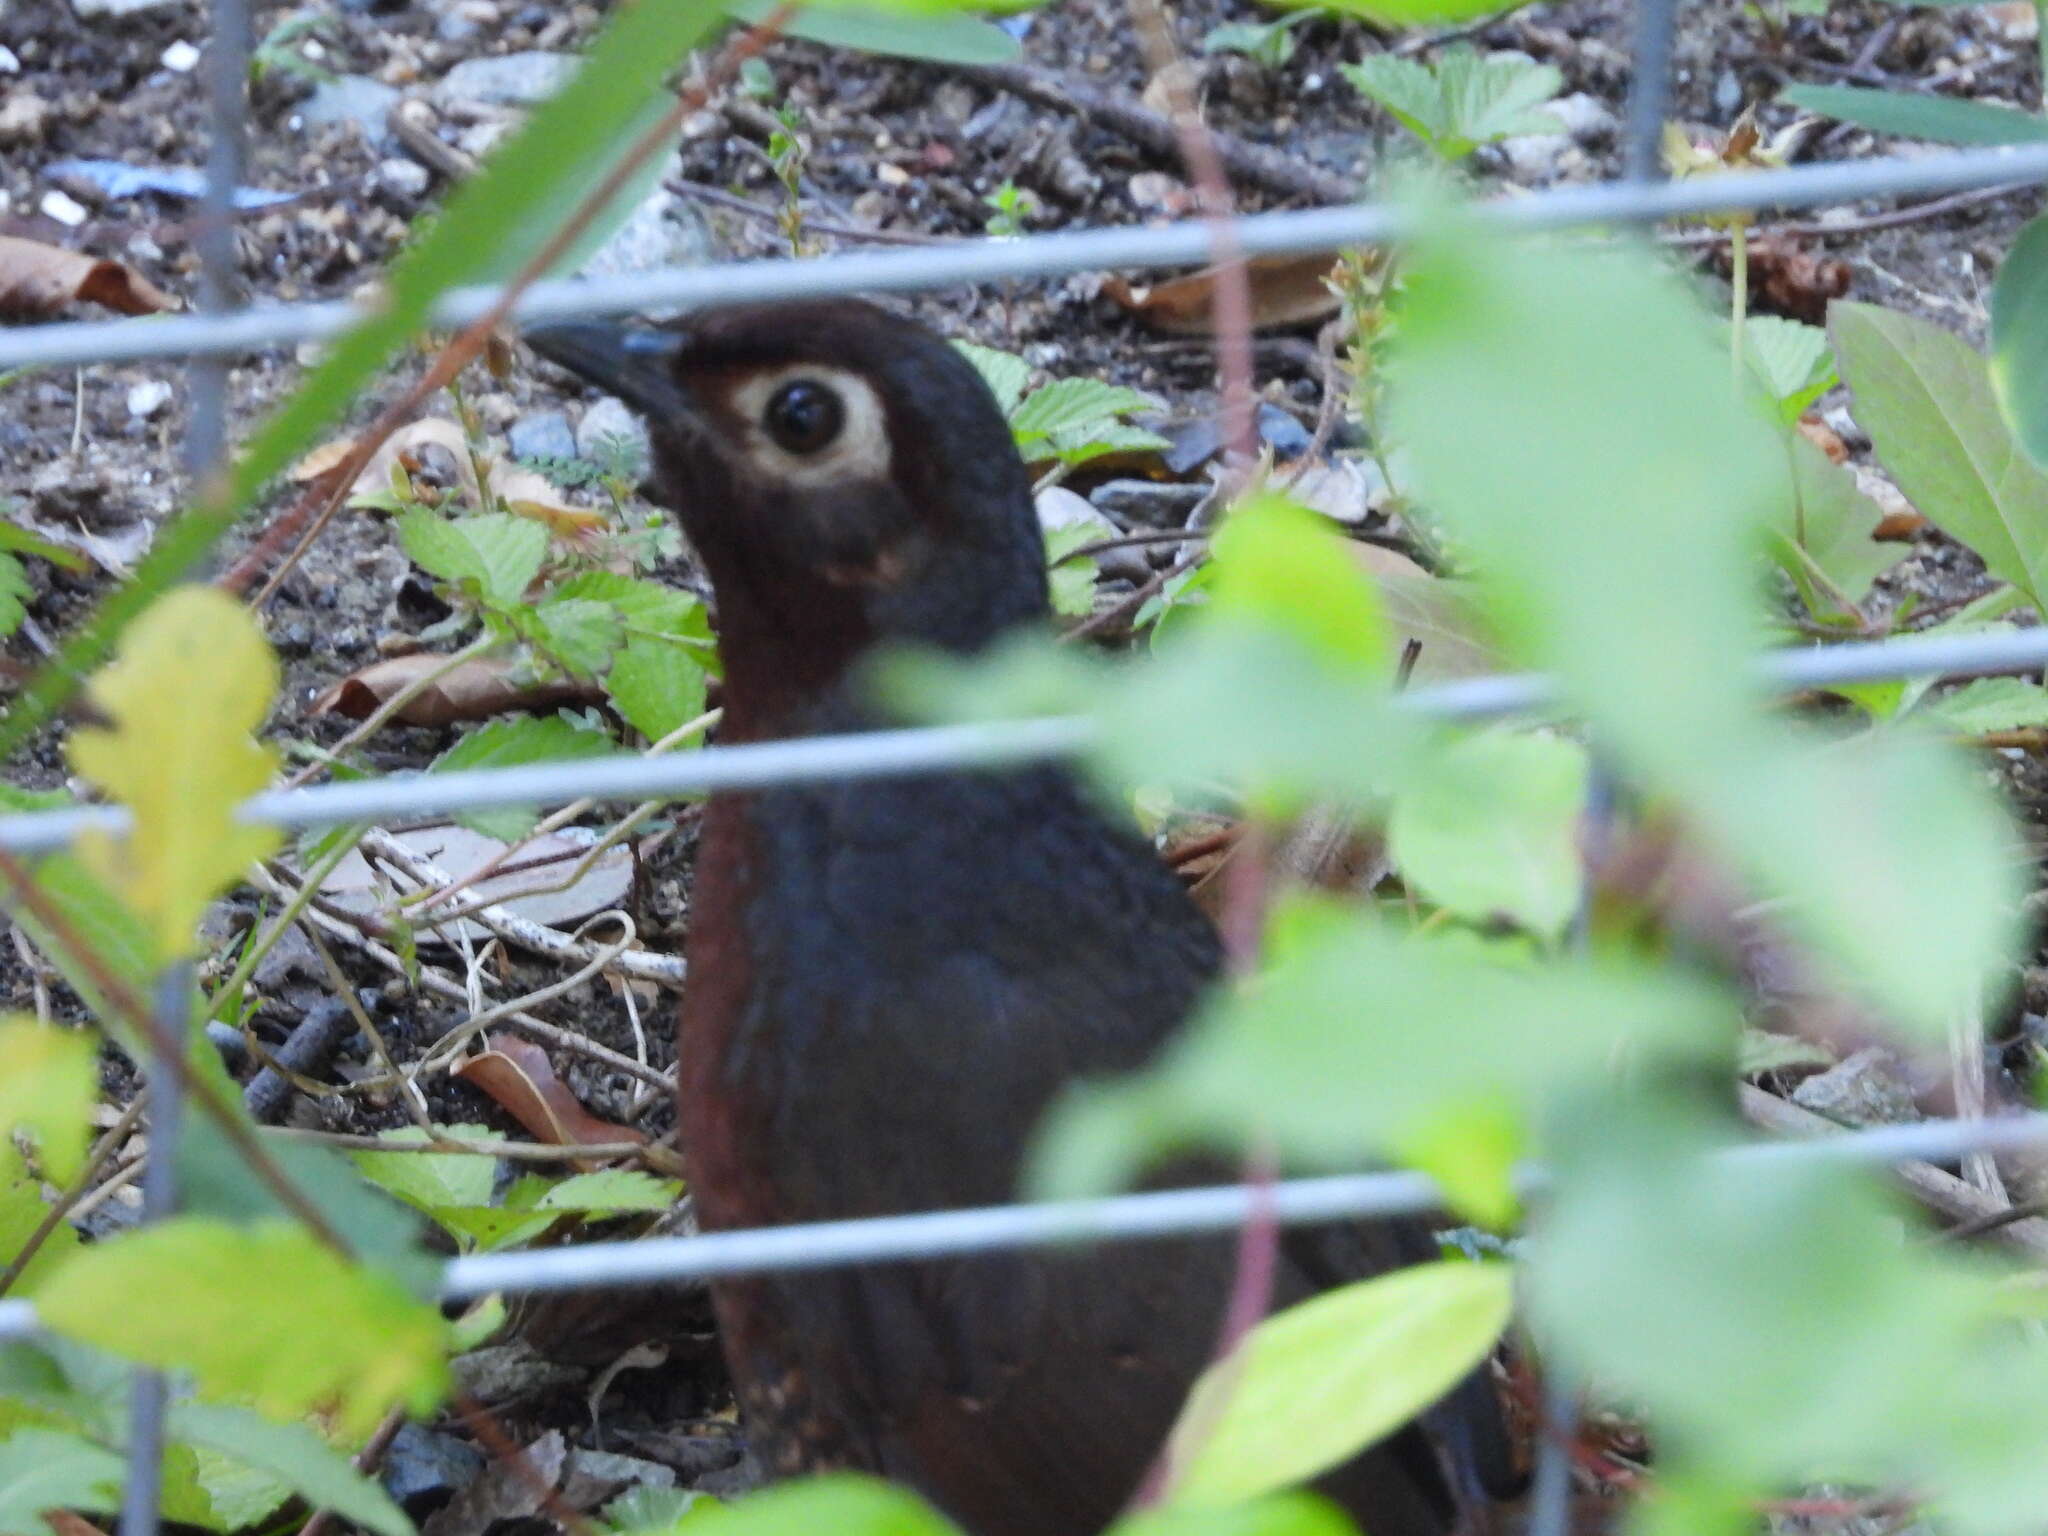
{"x": 367, "y": 1460}
{"x": 491, "y": 1434}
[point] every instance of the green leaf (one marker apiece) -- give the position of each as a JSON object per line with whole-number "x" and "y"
{"x": 1072, "y": 581}
{"x": 1080, "y": 445}
{"x": 513, "y": 743}
{"x": 1989, "y": 704}
{"x": 1005, "y": 373}
{"x": 15, "y": 594}
{"x": 938, "y": 30}
{"x": 1651, "y": 463}
{"x": 493, "y": 557}
{"x": 1490, "y": 829}
{"x": 1762, "y": 1051}
{"x": 579, "y": 632}
{"x": 611, "y": 1190}
{"x": 645, "y": 1510}
{"x": 1819, "y": 532}
{"x": 1914, "y": 115}
{"x": 296, "y": 1458}
{"x": 2019, "y": 337}
{"x": 1927, "y": 401}
{"x": 16, "y": 540}
{"x": 22, "y": 1211}
{"x": 1415, "y": 13}
{"x": 641, "y": 604}
{"x": 43, "y": 1469}
{"x": 194, "y": 678}
{"x": 1074, "y": 405}
{"x": 1792, "y": 361}
{"x": 1282, "y": 567}
{"x": 319, "y": 1332}
{"x": 656, "y": 686}
{"x": 1283, "y": 1514}
{"x": 424, "y": 1180}
{"x": 1314, "y": 1385}
{"x": 49, "y": 1082}
{"x": 1465, "y": 100}
{"x": 1299, "y": 1059}
{"x": 625, "y": 67}
{"x": 843, "y": 1503}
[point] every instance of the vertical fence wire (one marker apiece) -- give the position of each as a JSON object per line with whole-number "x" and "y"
{"x": 149, "y": 1396}
{"x": 1649, "y": 92}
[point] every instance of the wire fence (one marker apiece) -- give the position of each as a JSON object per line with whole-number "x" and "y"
{"x": 220, "y": 332}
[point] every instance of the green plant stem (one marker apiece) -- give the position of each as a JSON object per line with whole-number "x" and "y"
{"x": 268, "y": 941}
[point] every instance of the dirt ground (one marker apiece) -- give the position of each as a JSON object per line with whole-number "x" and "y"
{"x": 900, "y": 148}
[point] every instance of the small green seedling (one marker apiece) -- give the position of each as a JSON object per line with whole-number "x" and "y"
{"x": 1463, "y": 100}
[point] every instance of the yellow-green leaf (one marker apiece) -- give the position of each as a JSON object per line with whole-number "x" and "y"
{"x": 194, "y": 677}
{"x": 1314, "y": 1385}
{"x": 318, "y": 1331}
{"x": 1280, "y": 566}
{"x": 48, "y": 1083}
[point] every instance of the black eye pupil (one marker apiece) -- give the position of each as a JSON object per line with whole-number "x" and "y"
{"x": 804, "y": 416}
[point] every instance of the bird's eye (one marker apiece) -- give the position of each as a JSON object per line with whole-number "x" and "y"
{"x": 804, "y": 416}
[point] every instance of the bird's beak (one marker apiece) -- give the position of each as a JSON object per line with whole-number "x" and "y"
{"x": 635, "y": 363}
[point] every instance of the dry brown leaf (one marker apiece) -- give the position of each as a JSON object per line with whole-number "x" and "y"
{"x": 1901, "y": 522}
{"x": 518, "y": 1074}
{"x": 1824, "y": 437}
{"x": 525, "y": 492}
{"x": 322, "y": 461}
{"x": 1440, "y": 615}
{"x": 475, "y": 690}
{"x": 38, "y": 280}
{"x": 1286, "y": 290}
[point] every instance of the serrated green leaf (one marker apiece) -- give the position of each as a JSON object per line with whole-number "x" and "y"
{"x": 1072, "y": 581}
{"x": 320, "y": 1332}
{"x": 1074, "y": 405}
{"x": 1312, "y": 1386}
{"x": 1080, "y": 445}
{"x": 579, "y": 632}
{"x": 512, "y": 743}
{"x": 1005, "y": 373}
{"x": 611, "y": 1189}
{"x": 193, "y": 680}
{"x": 1491, "y": 829}
{"x": 43, "y": 1469}
{"x": 1927, "y": 401}
{"x": 424, "y": 1180}
{"x": 645, "y": 1510}
{"x": 942, "y": 38}
{"x": 1493, "y": 96}
{"x": 295, "y": 1458}
{"x": 22, "y": 1211}
{"x": 1405, "y": 88}
{"x": 1916, "y": 115}
{"x": 494, "y": 556}
{"x": 1792, "y": 361}
{"x": 1762, "y": 1051}
{"x": 656, "y": 686}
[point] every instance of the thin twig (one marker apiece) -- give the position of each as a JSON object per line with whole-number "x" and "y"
{"x": 102, "y": 1152}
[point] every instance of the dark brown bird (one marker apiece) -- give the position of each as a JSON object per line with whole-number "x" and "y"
{"x": 891, "y": 979}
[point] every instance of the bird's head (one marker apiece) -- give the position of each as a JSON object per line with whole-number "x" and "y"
{"x": 844, "y": 474}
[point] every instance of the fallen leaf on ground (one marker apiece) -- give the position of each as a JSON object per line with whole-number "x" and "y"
{"x": 518, "y": 1074}
{"x": 1901, "y": 522}
{"x": 523, "y": 491}
{"x": 1441, "y": 616}
{"x": 38, "y": 280}
{"x": 504, "y": 1492}
{"x": 475, "y": 690}
{"x": 1786, "y": 279}
{"x": 1286, "y": 290}
{"x": 1824, "y": 437}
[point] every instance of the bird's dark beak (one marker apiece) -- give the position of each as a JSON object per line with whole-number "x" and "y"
{"x": 633, "y": 362}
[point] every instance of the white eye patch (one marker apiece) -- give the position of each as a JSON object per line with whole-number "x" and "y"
{"x": 859, "y": 452}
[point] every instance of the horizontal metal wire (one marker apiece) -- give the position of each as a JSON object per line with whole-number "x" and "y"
{"x": 1035, "y": 256}
{"x": 880, "y": 753}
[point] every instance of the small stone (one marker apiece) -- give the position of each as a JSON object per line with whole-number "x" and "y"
{"x": 1867, "y": 1089}
{"x": 228, "y": 1041}
{"x": 23, "y": 117}
{"x": 664, "y": 231}
{"x": 506, "y": 79}
{"x": 424, "y": 1468}
{"x": 609, "y": 418}
{"x": 65, "y": 209}
{"x": 1148, "y": 503}
{"x": 1060, "y": 508}
{"x": 353, "y": 99}
{"x": 147, "y": 398}
{"x": 181, "y": 58}
{"x": 88, "y": 9}
{"x": 402, "y": 179}
{"x": 1534, "y": 157}
{"x": 1727, "y": 92}
{"x": 10, "y": 62}
{"x": 542, "y": 435}
{"x": 1585, "y": 117}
